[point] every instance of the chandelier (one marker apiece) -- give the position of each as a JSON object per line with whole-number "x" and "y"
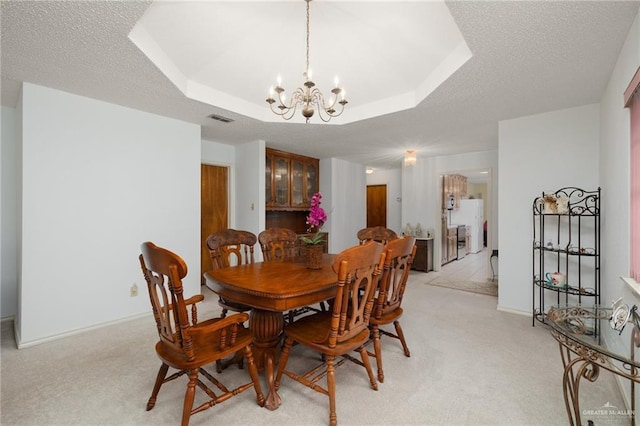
{"x": 308, "y": 98}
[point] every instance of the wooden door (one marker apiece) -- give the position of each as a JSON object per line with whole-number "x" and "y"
{"x": 214, "y": 207}
{"x": 376, "y": 205}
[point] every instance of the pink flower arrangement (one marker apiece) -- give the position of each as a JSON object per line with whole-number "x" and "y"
{"x": 316, "y": 218}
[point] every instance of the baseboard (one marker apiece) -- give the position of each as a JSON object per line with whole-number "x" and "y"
{"x": 22, "y": 345}
{"x": 514, "y": 311}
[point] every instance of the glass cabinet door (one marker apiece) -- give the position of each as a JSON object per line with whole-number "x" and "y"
{"x": 282, "y": 181}
{"x": 267, "y": 181}
{"x": 297, "y": 171}
{"x": 312, "y": 181}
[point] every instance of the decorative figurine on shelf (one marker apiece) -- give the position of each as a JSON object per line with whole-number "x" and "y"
{"x": 418, "y": 230}
{"x": 622, "y": 314}
{"x": 555, "y": 204}
{"x": 550, "y": 204}
{"x": 408, "y": 230}
{"x": 562, "y": 203}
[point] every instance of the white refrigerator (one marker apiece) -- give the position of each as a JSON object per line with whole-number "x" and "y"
{"x": 471, "y": 214}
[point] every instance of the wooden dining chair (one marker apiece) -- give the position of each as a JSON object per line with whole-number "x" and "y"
{"x": 186, "y": 344}
{"x": 231, "y": 247}
{"x": 387, "y": 307}
{"x": 344, "y": 328}
{"x": 281, "y": 245}
{"x": 376, "y": 233}
{"x": 278, "y": 244}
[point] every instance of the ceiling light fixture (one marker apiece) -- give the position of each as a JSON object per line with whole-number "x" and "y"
{"x": 309, "y": 98}
{"x": 410, "y": 158}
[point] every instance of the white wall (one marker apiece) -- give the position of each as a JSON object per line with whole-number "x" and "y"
{"x": 98, "y": 180}
{"x": 250, "y": 188}
{"x": 393, "y": 179}
{"x": 615, "y": 180}
{"x": 614, "y": 167}
{"x": 345, "y": 204}
{"x": 543, "y": 152}
{"x": 8, "y": 214}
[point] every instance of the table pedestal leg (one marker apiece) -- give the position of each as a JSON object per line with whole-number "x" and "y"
{"x": 266, "y": 327}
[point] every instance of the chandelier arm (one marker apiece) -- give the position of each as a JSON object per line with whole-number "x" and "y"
{"x": 328, "y": 111}
{"x": 281, "y": 112}
{"x": 282, "y": 102}
{"x": 324, "y": 105}
{"x": 288, "y": 115}
{"x": 284, "y": 112}
{"x": 326, "y": 115}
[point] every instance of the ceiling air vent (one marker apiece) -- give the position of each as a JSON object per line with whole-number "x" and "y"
{"x": 221, "y": 118}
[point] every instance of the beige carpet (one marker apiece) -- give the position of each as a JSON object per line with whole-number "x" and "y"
{"x": 489, "y": 287}
{"x": 470, "y": 365}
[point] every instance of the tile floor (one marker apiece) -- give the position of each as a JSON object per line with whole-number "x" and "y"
{"x": 473, "y": 267}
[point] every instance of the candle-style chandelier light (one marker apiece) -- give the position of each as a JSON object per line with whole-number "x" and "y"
{"x": 309, "y": 98}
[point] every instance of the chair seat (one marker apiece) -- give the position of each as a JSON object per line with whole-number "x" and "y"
{"x": 205, "y": 353}
{"x": 387, "y": 317}
{"x": 312, "y": 331}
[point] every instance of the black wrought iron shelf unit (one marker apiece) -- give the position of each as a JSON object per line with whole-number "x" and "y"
{"x": 566, "y": 249}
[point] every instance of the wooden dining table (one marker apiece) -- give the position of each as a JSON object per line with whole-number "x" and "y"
{"x": 272, "y": 288}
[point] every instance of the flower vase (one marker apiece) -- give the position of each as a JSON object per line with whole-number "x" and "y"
{"x": 314, "y": 256}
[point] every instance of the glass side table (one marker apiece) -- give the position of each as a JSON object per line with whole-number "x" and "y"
{"x": 578, "y": 328}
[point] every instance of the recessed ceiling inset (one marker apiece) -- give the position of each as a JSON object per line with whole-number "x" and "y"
{"x": 390, "y": 55}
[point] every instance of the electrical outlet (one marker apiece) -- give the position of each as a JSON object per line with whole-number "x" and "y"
{"x": 134, "y": 290}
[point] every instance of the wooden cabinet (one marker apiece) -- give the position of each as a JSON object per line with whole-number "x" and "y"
{"x": 290, "y": 180}
{"x": 452, "y": 244}
{"x": 467, "y": 241}
{"x": 456, "y": 186}
{"x": 424, "y": 255}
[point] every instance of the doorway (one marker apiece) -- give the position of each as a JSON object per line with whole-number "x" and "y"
{"x": 479, "y": 187}
{"x": 214, "y": 208}
{"x": 376, "y": 205}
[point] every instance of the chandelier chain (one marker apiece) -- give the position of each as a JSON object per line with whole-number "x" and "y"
{"x": 307, "y": 68}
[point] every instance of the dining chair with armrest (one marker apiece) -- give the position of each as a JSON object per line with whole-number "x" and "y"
{"x": 188, "y": 345}
{"x": 387, "y": 306}
{"x": 231, "y": 247}
{"x": 376, "y": 233}
{"x": 281, "y": 245}
{"x": 344, "y": 328}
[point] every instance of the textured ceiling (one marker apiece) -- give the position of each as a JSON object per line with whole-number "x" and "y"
{"x": 528, "y": 57}
{"x": 412, "y": 50}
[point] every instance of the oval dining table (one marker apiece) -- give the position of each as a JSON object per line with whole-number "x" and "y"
{"x": 272, "y": 288}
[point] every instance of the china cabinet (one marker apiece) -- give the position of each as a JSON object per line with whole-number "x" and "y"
{"x": 566, "y": 249}
{"x": 290, "y": 180}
